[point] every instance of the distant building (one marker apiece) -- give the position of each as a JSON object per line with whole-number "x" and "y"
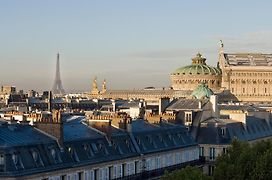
{"x": 8, "y": 89}
{"x": 247, "y": 75}
{"x": 188, "y": 77}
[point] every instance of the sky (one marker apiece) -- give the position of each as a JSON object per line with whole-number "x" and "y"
{"x": 130, "y": 43}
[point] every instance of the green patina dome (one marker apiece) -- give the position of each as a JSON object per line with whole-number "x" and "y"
{"x": 198, "y": 67}
{"x": 202, "y": 91}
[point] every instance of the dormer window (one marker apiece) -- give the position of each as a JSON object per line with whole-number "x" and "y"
{"x": 149, "y": 139}
{"x": 138, "y": 141}
{"x": 36, "y": 157}
{"x": 88, "y": 150}
{"x": 17, "y": 161}
{"x": 55, "y": 155}
{"x": 160, "y": 138}
{"x": 170, "y": 136}
{"x": 188, "y": 117}
{"x": 127, "y": 142}
{"x": 15, "y": 158}
{"x": 73, "y": 153}
{"x": 223, "y": 131}
{"x": 2, "y": 159}
{"x": 94, "y": 147}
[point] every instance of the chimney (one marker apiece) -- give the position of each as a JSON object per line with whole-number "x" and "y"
{"x": 52, "y": 125}
{"x": 214, "y": 101}
{"x": 24, "y": 120}
{"x": 103, "y": 126}
{"x": 199, "y": 104}
{"x": 49, "y": 101}
{"x": 123, "y": 123}
{"x": 129, "y": 125}
{"x": 163, "y": 103}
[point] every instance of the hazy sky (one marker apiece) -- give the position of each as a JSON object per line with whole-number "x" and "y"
{"x": 130, "y": 43}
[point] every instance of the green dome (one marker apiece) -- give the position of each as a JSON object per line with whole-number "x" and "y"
{"x": 202, "y": 91}
{"x": 198, "y": 67}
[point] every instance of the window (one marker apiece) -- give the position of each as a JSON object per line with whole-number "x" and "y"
{"x": 80, "y": 175}
{"x": 55, "y": 155}
{"x": 188, "y": 117}
{"x": 223, "y": 131}
{"x": 94, "y": 147}
{"x": 265, "y": 90}
{"x": 72, "y": 153}
{"x": 224, "y": 150}
{"x": 201, "y": 151}
{"x": 63, "y": 177}
{"x": 232, "y": 90}
{"x": 2, "y": 159}
{"x": 36, "y": 157}
{"x": 212, "y": 153}
{"x": 88, "y": 150}
{"x": 211, "y": 169}
{"x": 244, "y": 90}
{"x": 254, "y": 90}
{"x": 17, "y": 161}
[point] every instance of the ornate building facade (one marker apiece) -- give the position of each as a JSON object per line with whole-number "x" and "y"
{"x": 189, "y": 77}
{"x": 247, "y": 75}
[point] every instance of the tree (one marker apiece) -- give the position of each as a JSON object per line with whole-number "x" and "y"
{"x": 244, "y": 161}
{"x": 188, "y": 173}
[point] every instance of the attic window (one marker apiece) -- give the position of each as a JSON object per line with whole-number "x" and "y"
{"x": 127, "y": 142}
{"x": 36, "y": 157}
{"x": 149, "y": 139}
{"x": 160, "y": 137}
{"x": 138, "y": 141}
{"x": 17, "y": 161}
{"x": 73, "y": 154}
{"x": 223, "y": 131}
{"x": 188, "y": 117}
{"x": 94, "y": 147}
{"x": 2, "y": 159}
{"x": 88, "y": 150}
{"x": 55, "y": 155}
{"x": 170, "y": 136}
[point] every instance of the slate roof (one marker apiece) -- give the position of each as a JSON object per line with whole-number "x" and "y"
{"x": 249, "y": 108}
{"x": 248, "y": 59}
{"x": 160, "y": 137}
{"x": 254, "y": 128}
{"x": 185, "y": 104}
{"x": 83, "y": 145}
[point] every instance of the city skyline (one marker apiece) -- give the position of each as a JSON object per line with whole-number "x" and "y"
{"x": 130, "y": 44}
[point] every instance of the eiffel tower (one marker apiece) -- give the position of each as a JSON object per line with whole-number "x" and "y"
{"x": 58, "y": 88}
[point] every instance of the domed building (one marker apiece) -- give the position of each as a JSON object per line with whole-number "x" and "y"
{"x": 189, "y": 77}
{"x": 202, "y": 91}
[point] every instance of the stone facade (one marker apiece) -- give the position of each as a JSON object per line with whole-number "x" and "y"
{"x": 247, "y": 75}
{"x": 189, "y": 77}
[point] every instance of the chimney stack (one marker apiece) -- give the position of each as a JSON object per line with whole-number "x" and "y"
{"x": 52, "y": 125}
{"x": 50, "y": 101}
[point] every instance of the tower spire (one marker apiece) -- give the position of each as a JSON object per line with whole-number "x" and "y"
{"x": 57, "y": 87}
